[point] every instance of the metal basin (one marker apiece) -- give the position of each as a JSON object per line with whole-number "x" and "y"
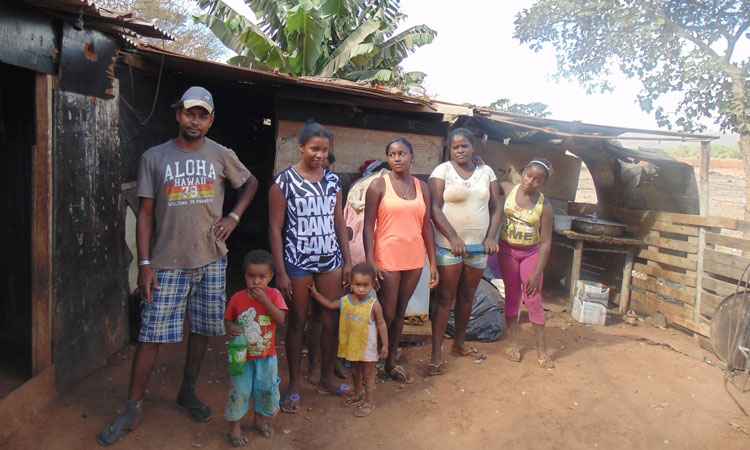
{"x": 598, "y": 227}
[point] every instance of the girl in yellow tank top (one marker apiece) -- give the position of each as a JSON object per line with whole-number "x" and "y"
{"x": 361, "y": 322}
{"x": 521, "y": 226}
{"x": 525, "y": 244}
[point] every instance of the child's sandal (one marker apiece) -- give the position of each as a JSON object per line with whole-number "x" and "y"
{"x": 354, "y": 400}
{"x": 237, "y": 441}
{"x": 265, "y": 430}
{"x": 364, "y": 409}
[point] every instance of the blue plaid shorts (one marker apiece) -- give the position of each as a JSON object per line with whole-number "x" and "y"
{"x": 201, "y": 291}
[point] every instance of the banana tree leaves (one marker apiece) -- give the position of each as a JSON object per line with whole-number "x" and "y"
{"x": 381, "y": 76}
{"x": 245, "y": 38}
{"x": 352, "y": 47}
{"x": 397, "y": 48}
{"x": 305, "y": 33}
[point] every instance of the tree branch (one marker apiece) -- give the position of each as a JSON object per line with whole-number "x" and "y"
{"x": 733, "y": 41}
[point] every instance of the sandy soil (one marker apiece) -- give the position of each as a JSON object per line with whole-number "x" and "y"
{"x": 609, "y": 390}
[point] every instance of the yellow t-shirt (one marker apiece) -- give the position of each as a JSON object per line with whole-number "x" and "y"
{"x": 521, "y": 226}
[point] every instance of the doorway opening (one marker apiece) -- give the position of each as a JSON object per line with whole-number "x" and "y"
{"x": 17, "y": 137}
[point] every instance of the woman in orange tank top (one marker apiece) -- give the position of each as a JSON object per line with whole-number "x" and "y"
{"x": 397, "y": 237}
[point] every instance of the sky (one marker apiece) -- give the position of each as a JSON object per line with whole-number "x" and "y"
{"x": 475, "y": 59}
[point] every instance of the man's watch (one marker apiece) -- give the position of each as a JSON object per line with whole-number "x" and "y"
{"x": 144, "y": 262}
{"x": 234, "y": 216}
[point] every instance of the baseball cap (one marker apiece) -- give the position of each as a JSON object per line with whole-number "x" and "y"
{"x": 196, "y": 96}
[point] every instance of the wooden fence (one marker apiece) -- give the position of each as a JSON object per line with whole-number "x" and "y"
{"x": 688, "y": 265}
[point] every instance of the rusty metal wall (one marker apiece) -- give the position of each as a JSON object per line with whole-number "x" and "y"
{"x": 90, "y": 311}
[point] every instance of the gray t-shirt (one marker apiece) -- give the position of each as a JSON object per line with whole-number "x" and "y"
{"x": 188, "y": 190}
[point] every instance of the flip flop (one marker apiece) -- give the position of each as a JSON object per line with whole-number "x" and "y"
{"x": 290, "y": 404}
{"x": 237, "y": 442}
{"x": 434, "y": 370}
{"x": 198, "y": 411}
{"x": 265, "y": 430}
{"x": 122, "y": 425}
{"x": 398, "y": 373}
{"x": 364, "y": 409}
{"x": 546, "y": 363}
{"x": 513, "y": 354}
{"x": 354, "y": 400}
{"x": 342, "y": 390}
{"x": 471, "y": 351}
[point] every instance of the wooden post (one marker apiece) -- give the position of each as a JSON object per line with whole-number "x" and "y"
{"x": 41, "y": 228}
{"x": 575, "y": 270}
{"x": 627, "y": 274}
{"x": 705, "y": 164}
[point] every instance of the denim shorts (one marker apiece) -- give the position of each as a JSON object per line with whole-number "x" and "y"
{"x": 474, "y": 257}
{"x": 298, "y": 272}
{"x": 259, "y": 383}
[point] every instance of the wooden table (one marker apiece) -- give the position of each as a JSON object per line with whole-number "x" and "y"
{"x": 618, "y": 245}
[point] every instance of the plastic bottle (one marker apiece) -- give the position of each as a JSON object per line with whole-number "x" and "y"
{"x": 237, "y": 352}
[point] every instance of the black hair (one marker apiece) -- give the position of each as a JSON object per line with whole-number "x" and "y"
{"x": 543, "y": 164}
{"x": 313, "y": 129}
{"x": 257, "y": 257}
{"x": 364, "y": 269}
{"x": 331, "y": 159}
{"x": 402, "y": 141}
{"x": 466, "y": 133}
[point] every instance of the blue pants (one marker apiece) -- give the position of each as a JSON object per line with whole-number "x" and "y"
{"x": 260, "y": 382}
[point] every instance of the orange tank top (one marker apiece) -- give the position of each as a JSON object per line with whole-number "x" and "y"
{"x": 398, "y": 232}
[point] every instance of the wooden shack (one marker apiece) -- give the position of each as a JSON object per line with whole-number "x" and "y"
{"x": 63, "y": 307}
{"x": 81, "y": 98}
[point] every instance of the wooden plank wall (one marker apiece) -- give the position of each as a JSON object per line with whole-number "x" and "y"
{"x": 353, "y": 146}
{"x": 667, "y": 277}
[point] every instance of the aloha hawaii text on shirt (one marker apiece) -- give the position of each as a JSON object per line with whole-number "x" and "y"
{"x": 189, "y": 182}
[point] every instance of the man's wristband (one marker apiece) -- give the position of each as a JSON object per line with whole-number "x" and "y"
{"x": 144, "y": 262}
{"x": 234, "y": 216}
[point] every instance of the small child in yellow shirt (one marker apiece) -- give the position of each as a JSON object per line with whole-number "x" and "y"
{"x": 360, "y": 323}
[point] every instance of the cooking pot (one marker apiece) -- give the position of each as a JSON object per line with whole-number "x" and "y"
{"x": 599, "y": 227}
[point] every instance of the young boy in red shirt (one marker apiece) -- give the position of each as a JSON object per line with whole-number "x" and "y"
{"x": 255, "y": 313}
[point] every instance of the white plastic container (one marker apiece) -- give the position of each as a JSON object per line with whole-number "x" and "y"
{"x": 591, "y": 291}
{"x": 589, "y": 312}
{"x": 419, "y": 303}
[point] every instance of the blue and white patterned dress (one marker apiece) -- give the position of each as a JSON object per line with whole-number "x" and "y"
{"x": 310, "y": 241}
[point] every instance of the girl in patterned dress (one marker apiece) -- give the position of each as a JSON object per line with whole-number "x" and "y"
{"x": 307, "y": 228}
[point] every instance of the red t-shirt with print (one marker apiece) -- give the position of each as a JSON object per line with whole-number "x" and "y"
{"x": 259, "y": 326}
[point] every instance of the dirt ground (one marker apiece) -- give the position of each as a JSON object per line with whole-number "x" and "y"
{"x": 611, "y": 389}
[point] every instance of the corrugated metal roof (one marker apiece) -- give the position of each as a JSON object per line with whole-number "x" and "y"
{"x": 195, "y": 66}
{"x": 125, "y": 24}
{"x": 562, "y": 128}
{"x": 485, "y": 117}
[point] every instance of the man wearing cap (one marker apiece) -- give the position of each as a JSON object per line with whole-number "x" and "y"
{"x": 181, "y": 238}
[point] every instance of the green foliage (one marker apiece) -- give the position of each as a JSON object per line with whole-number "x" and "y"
{"x": 350, "y": 39}
{"x": 672, "y": 46}
{"x": 533, "y": 109}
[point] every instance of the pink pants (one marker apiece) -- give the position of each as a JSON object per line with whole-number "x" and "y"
{"x": 517, "y": 265}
